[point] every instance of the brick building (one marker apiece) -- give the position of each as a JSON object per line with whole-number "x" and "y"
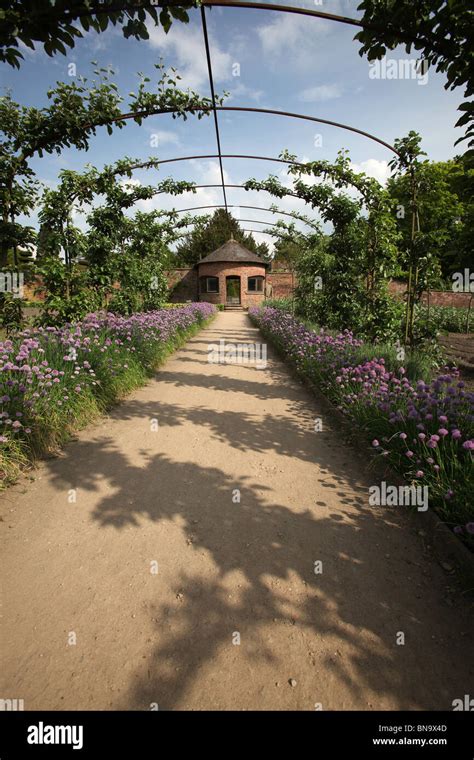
{"x": 232, "y": 275}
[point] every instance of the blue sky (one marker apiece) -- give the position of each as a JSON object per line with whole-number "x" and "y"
{"x": 285, "y": 61}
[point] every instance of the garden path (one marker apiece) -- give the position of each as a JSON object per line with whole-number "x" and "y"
{"x": 89, "y": 624}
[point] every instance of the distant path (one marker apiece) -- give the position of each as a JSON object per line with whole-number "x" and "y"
{"x": 224, "y": 568}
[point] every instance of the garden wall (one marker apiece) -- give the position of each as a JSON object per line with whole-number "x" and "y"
{"x": 436, "y": 297}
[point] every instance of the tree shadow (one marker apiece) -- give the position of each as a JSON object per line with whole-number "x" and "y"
{"x": 247, "y": 565}
{"x": 248, "y": 568}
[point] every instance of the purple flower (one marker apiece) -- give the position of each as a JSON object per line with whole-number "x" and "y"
{"x": 375, "y": 443}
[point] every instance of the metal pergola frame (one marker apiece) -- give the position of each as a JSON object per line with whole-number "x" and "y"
{"x": 215, "y": 109}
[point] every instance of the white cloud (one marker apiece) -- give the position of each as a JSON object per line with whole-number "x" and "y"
{"x": 320, "y": 93}
{"x": 210, "y": 172}
{"x": 379, "y": 170}
{"x": 186, "y": 45}
{"x": 244, "y": 91}
{"x": 291, "y": 35}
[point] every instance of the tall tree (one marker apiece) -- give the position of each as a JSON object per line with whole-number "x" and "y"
{"x": 446, "y": 208}
{"x": 206, "y": 238}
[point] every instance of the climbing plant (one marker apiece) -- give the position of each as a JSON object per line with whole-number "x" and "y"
{"x": 362, "y": 247}
{"x": 76, "y": 110}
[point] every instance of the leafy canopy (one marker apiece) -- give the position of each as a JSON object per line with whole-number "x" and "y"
{"x": 57, "y": 24}
{"x": 443, "y": 32}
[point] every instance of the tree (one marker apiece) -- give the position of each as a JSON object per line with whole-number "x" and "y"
{"x": 216, "y": 232}
{"x": 446, "y": 208}
{"x": 442, "y": 30}
{"x": 54, "y": 23}
{"x": 407, "y": 163}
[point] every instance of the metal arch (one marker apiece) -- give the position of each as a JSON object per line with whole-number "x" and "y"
{"x": 304, "y": 117}
{"x": 232, "y": 155}
{"x": 233, "y": 4}
{"x": 245, "y": 109}
{"x": 100, "y": 9}
{"x": 236, "y": 205}
{"x": 286, "y": 9}
{"x": 254, "y": 221}
{"x": 241, "y": 187}
{"x": 261, "y": 232}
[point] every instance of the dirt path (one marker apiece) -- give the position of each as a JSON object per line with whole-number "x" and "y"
{"x": 224, "y": 567}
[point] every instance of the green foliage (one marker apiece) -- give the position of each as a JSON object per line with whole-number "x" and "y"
{"x": 67, "y": 290}
{"x": 352, "y": 263}
{"x": 440, "y": 29}
{"x": 75, "y": 112}
{"x": 213, "y": 233}
{"x": 57, "y": 25}
{"x": 11, "y": 312}
{"x": 285, "y": 304}
{"x": 444, "y": 318}
{"x": 446, "y": 208}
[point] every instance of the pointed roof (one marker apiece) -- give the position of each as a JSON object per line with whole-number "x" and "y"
{"x": 234, "y": 251}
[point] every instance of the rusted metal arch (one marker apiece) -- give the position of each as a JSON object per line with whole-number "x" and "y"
{"x": 242, "y": 109}
{"x": 246, "y": 109}
{"x": 248, "y": 5}
{"x": 254, "y": 221}
{"x": 232, "y": 155}
{"x": 99, "y": 9}
{"x": 236, "y": 205}
{"x": 287, "y": 9}
{"x": 241, "y": 187}
{"x": 261, "y": 232}
{"x": 244, "y": 229}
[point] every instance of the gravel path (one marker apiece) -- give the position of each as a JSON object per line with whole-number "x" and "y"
{"x": 138, "y": 593}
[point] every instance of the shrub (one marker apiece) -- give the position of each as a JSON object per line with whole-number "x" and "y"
{"x": 424, "y": 429}
{"x": 57, "y": 379}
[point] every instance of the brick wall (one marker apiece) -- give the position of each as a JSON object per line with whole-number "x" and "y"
{"x": 281, "y": 284}
{"x": 436, "y": 297}
{"x": 183, "y": 284}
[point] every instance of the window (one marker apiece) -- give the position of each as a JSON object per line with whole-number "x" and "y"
{"x": 255, "y": 284}
{"x": 209, "y": 284}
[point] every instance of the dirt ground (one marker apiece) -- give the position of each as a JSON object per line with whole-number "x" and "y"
{"x": 156, "y": 586}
